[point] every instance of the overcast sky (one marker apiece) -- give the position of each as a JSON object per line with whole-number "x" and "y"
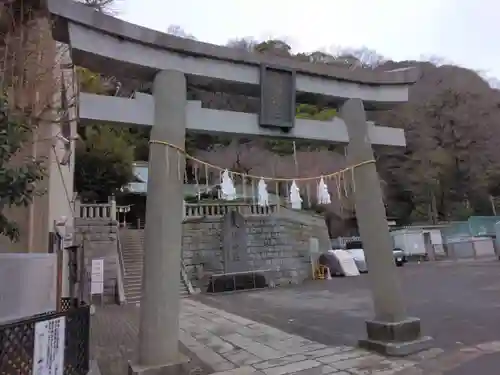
{"x": 465, "y": 32}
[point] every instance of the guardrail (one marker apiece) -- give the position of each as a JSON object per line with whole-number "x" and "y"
{"x": 112, "y": 211}
{"x": 121, "y": 272}
{"x": 108, "y": 210}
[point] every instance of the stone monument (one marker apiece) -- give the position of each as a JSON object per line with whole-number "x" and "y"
{"x": 107, "y": 45}
{"x": 234, "y": 243}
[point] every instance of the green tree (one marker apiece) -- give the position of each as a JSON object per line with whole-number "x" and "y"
{"x": 103, "y": 163}
{"x": 18, "y": 184}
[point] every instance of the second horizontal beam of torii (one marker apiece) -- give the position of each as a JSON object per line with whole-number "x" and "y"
{"x": 140, "y": 112}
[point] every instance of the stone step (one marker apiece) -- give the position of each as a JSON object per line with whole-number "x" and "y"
{"x": 130, "y": 277}
{"x": 135, "y": 294}
{"x": 133, "y": 291}
{"x": 133, "y": 266}
{"x": 137, "y": 300}
{"x": 132, "y": 253}
{"x": 132, "y": 284}
{"x": 133, "y": 271}
{"x": 132, "y": 261}
{"x": 133, "y": 287}
{"x": 133, "y": 249}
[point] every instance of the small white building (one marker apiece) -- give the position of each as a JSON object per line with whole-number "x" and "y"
{"x": 419, "y": 241}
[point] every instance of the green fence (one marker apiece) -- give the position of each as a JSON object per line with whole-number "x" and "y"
{"x": 474, "y": 227}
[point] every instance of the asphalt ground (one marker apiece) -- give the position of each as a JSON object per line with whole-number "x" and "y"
{"x": 458, "y": 304}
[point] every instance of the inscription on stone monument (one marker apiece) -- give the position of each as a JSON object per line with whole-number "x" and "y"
{"x": 234, "y": 243}
{"x": 277, "y": 97}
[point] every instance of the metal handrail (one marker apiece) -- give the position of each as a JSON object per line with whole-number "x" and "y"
{"x": 121, "y": 271}
{"x": 185, "y": 279}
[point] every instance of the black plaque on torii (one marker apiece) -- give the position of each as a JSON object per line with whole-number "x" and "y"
{"x": 277, "y": 97}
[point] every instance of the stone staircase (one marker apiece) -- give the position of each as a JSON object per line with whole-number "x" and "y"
{"x": 132, "y": 241}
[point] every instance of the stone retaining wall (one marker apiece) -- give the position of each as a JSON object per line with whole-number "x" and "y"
{"x": 100, "y": 240}
{"x": 273, "y": 243}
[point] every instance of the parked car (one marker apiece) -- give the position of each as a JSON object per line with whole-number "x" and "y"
{"x": 355, "y": 248}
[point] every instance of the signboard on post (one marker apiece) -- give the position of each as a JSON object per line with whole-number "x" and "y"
{"x": 97, "y": 277}
{"x": 48, "y": 356}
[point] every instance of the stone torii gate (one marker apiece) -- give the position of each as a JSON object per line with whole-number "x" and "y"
{"x": 110, "y": 46}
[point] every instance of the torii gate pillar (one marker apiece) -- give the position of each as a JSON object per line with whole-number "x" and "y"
{"x": 390, "y": 332}
{"x": 159, "y": 317}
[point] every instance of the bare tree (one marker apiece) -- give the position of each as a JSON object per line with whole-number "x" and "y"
{"x": 105, "y": 6}
{"x": 179, "y": 31}
{"x": 247, "y": 44}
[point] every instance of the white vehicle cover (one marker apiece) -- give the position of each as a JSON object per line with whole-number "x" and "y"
{"x": 346, "y": 262}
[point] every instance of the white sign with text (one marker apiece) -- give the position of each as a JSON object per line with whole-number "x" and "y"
{"x": 97, "y": 277}
{"x": 48, "y": 356}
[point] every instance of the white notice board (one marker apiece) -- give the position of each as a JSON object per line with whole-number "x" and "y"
{"x": 313, "y": 245}
{"x": 48, "y": 356}
{"x": 97, "y": 276}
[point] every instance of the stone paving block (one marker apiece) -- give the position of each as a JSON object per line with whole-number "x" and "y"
{"x": 343, "y": 356}
{"x": 369, "y": 372}
{"x": 268, "y": 337}
{"x": 291, "y": 368}
{"x": 245, "y": 331}
{"x": 214, "y": 342}
{"x": 271, "y": 331}
{"x": 205, "y": 354}
{"x": 296, "y": 341}
{"x": 426, "y": 354}
{"x": 370, "y": 362}
{"x": 280, "y": 361}
{"x": 241, "y": 357}
{"x": 234, "y": 318}
{"x": 327, "y": 351}
{"x": 414, "y": 371}
{"x": 256, "y": 348}
{"x": 319, "y": 370}
{"x": 292, "y": 345}
{"x": 301, "y": 350}
{"x": 247, "y": 370}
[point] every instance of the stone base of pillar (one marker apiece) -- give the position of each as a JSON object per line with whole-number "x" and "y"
{"x": 180, "y": 367}
{"x": 397, "y": 339}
